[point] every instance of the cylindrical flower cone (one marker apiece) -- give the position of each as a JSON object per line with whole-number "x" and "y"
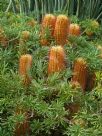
{"x": 61, "y": 30}
{"x": 91, "y": 81}
{"x": 4, "y": 41}
{"x": 56, "y": 59}
{"x": 3, "y": 38}
{"x": 73, "y": 108}
{"x": 48, "y": 24}
{"x": 25, "y": 63}
{"x": 32, "y": 23}
{"x": 24, "y": 128}
{"x": 74, "y": 29}
{"x": 25, "y": 35}
{"x": 80, "y": 73}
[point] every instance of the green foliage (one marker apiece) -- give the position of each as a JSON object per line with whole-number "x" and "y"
{"x": 48, "y": 98}
{"x": 3, "y": 5}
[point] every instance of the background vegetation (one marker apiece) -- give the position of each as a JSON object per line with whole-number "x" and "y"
{"x": 80, "y": 8}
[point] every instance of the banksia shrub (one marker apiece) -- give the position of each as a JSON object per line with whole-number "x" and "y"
{"x": 22, "y": 129}
{"x": 56, "y": 59}
{"x": 61, "y": 30}
{"x": 80, "y": 73}
{"x": 74, "y": 29}
{"x": 25, "y": 63}
{"x": 47, "y": 29}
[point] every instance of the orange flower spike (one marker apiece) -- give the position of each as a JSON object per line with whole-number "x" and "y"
{"x": 80, "y": 73}
{"x": 25, "y": 62}
{"x": 74, "y": 29}
{"x": 24, "y": 128}
{"x": 52, "y": 60}
{"x": 48, "y": 22}
{"x": 61, "y": 29}
{"x": 61, "y": 57}
{"x": 56, "y": 59}
{"x": 25, "y": 65}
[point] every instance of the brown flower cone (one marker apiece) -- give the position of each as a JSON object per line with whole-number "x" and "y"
{"x": 73, "y": 108}
{"x": 25, "y": 63}
{"x": 80, "y": 73}
{"x": 25, "y": 35}
{"x": 32, "y": 23}
{"x": 48, "y": 22}
{"x": 61, "y": 30}
{"x": 44, "y": 42}
{"x": 89, "y": 33}
{"x": 3, "y": 38}
{"x": 24, "y": 128}
{"x": 56, "y": 59}
{"x": 91, "y": 81}
{"x": 4, "y": 41}
{"x": 74, "y": 29}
